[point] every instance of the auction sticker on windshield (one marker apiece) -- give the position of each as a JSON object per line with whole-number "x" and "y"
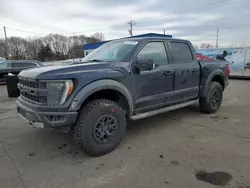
{"x": 131, "y": 42}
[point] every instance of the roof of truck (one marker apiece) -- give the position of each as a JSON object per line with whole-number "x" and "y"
{"x": 91, "y": 46}
{"x": 151, "y": 38}
{"x": 96, "y": 45}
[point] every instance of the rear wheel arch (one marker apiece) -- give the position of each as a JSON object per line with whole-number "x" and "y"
{"x": 215, "y": 76}
{"x": 212, "y": 101}
{"x": 219, "y": 78}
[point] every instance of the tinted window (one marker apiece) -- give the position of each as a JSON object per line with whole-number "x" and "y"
{"x": 155, "y": 51}
{"x": 4, "y": 65}
{"x": 181, "y": 51}
{"x": 23, "y": 65}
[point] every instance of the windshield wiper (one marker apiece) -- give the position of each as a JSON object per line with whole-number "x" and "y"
{"x": 94, "y": 60}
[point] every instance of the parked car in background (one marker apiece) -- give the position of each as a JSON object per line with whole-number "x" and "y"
{"x": 71, "y": 62}
{"x": 238, "y": 58}
{"x": 2, "y": 59}
{"x": 15, "y": 67}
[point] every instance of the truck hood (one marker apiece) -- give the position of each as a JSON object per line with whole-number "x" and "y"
{"x": 62, "y": 71}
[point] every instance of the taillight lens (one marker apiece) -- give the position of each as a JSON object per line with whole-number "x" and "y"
{"x": 227, "y": 69}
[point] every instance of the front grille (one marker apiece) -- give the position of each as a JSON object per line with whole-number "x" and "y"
{"x": 36, "y": 99}
{"x": 33, "y": 90}
{"x": 32, "y": 83}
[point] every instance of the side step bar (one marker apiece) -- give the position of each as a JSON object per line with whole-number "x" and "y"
{"x": 161, "y": 110}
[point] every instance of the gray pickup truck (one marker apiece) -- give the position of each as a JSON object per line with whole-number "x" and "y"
{"x": 123, "y": 79}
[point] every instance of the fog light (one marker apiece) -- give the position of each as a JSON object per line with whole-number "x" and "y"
{"x": 55, "y": 118}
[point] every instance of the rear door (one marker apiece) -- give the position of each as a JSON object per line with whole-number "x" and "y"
{"x": 187, "y": 71}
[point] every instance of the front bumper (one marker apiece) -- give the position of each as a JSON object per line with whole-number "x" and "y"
{"x": 44, "y": 118}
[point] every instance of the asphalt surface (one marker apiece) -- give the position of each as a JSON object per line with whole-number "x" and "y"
{"x": 164, "y": 151}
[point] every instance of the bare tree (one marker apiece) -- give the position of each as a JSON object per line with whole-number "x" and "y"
{"x": 17, "y": 48}
{"x": 61, "y": 46}
{"x": 2, "y": 48}
{"x": 75, "y": 44}
{"x": 77, "y": 40}
{"x": 34, "y": 45}
{"x": 204, "y": 46}
{"x": 82, "y": 39}
{"x": 98, "y": 36}
{"x": 58, "y": 43}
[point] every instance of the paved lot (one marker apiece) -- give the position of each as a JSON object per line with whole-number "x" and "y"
{"x": 163, "y": 151}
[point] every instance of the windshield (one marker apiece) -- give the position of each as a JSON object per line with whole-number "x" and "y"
{"x": 112, "y": 51}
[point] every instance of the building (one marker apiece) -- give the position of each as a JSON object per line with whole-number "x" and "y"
{"x": 92, "y": 46}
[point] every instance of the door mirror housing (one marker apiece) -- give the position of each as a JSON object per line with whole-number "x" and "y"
{"x": 144, "y": 64}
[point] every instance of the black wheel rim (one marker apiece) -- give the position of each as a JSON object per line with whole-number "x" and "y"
{"x": 104, "y": 129}
{"x": 216, "y": 99}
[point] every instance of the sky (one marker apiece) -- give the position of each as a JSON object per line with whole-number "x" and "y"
{"x": 195, "y": 20}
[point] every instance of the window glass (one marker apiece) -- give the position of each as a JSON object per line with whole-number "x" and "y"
{"x": 4, "y": 65}
{"x": 155, "y": 51}
{"x": 30, "y": 65}
{"x": 23, "y": 65}
{"x": 181, "y": 51}
{"x": 112, "y": 51}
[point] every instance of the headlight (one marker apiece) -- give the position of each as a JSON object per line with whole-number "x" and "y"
{"x": 58, "y": 91}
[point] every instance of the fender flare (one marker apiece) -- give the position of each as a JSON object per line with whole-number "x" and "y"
{"x": 99, "y": 85}
{"x": 216, "y": 72}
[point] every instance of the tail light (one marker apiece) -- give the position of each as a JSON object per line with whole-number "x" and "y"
{"x": 227, "y": 70}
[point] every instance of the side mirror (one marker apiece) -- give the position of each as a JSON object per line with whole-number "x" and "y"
{"x": 144, "y": 64}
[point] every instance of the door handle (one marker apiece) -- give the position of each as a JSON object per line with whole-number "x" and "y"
{"x": 166, "y": 73}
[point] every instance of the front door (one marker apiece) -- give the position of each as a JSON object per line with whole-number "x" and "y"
{"x": 154, "y": 88}
{"x": 247, "y": 63}
{"x": 187, "y": 72}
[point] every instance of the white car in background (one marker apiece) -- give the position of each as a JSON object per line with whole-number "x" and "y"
{"x": 2, "y": 59}
{"x": 238, "y": 58}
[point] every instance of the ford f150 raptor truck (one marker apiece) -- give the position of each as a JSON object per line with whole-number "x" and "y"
{"x": 123, "y": 79}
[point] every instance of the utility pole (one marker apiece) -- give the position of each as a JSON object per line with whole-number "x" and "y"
{"x": 164, "y": 31}
{"x": 74, "y": 43}
{"x": 68, "y": 48}
{"x": 217, "y": 38}
{"x": 131, "y": 23}
{"x": 6, "y": 43}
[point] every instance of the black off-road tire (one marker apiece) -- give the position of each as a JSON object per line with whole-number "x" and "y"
{"x": 86, "y": 122}
{"x": 206, "y": 103}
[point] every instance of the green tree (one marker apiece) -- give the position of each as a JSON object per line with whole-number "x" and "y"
{"x": 45, "y": 53}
